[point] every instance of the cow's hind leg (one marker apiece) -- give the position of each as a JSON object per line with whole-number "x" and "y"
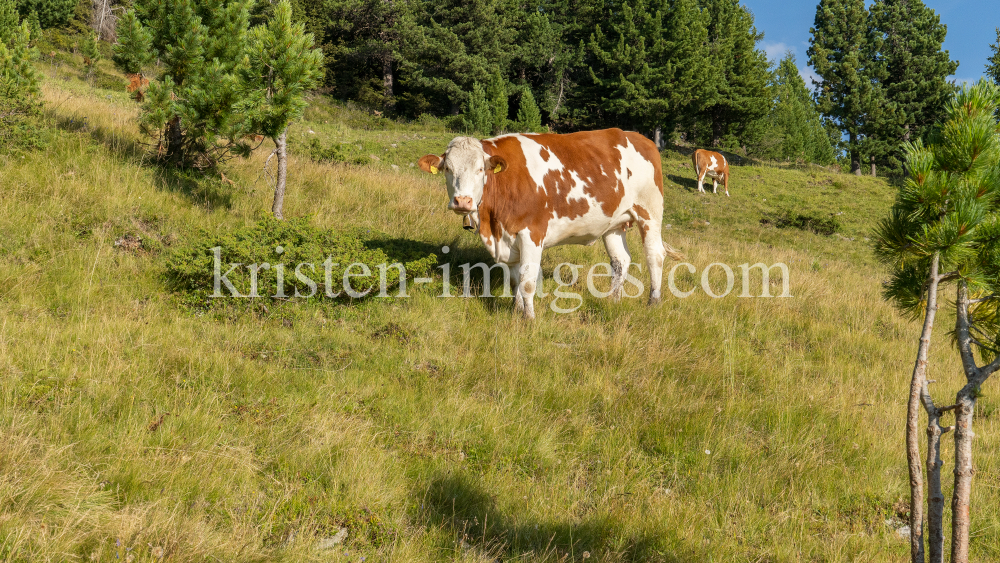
{"x": 515, "y": 276}
{"x": 656, "y": 251}
{"x": 617, "y": 247}
{"x": 701, "y": 180}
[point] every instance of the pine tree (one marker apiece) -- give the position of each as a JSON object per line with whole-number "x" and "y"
{"x": 279, "y": 66}
{"x": 133, "y": 51}
{"x": 496, "y": 96}
{"x": 839, "y": 52}
{"x": 51, "y": 13}
{"x": 945, "y": 228}
{"x": 190, "y": 110}
{"x": 19, "y": 91}
{"x": 35, "y": 26}
{"x": 529, "y": 118}
{"x": 912, "y": 70}
{"x": 478, "y": 115}
{"x": 91, "y": 53}
{"x": 993, "y": 68}
{"x": 9, "y": 25}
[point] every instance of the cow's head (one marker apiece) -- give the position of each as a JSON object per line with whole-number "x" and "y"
{"x": 465, "y": 165}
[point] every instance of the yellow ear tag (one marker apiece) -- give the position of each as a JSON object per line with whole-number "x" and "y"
{"x": 497, "y": 169}
{"x": 434, "y": 169}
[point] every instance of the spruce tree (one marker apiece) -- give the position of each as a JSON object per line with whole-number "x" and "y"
{"x": 279, "y": 66}
{"x": 496, "y": 95}
{"x": 741, "y": 98}
{"x": 478, "y": 115}
{"x": 529, "y": 118}
{"x": 993, "y": 68}
{"x": 912, "y": 70}
{"x": 449, "y": 45}
{"x": 839, "y": 53}
{"x": 945, "y": 228}
{"x": 689, "y": 80}
{"x": 623, "y": 83}
{"x": 794, "y": 121}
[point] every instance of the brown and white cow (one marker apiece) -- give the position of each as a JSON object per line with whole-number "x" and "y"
{"x": 528, "y": 192}
{"x": 713, "y": 165}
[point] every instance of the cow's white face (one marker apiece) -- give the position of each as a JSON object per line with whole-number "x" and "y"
{"x": 465, "y": 166}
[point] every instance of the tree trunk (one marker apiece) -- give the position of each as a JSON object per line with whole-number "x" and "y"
{"x": 281, "y": 147}
{"x": 966, "y": 402}
{"x": 855, "y": 157}
{"x": 874, "y": 175}
{"x": 175, "y": 139}
{"x": 965, "y": 405}
{"x": 935, "y": 498}
{"x": 559, "y": 98}
{"x": 387, "y": 83}
{"x": 658, "y": 138}
{"x": 716, "y": 129}
{"x": 917, "y": 382}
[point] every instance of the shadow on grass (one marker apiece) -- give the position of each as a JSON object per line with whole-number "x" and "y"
{"x": 689, "y": 184}
{"x": 455, "y": 504}
{"x": 200, "y": 188}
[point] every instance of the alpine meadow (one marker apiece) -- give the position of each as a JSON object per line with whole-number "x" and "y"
{"x": 251, "y": 309}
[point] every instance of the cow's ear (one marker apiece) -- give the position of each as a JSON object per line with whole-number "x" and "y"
{"x": 430, "y": 163}
{"x": 496, "y": 164}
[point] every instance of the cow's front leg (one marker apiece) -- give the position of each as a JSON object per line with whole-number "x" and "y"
{"x": 531, "y": 260}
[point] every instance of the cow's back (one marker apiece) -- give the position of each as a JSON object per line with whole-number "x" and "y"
{"x": 565, "y": 178}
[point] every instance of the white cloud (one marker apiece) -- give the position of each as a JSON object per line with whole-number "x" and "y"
{"x": 808, "y": 76}
{"x": 775, "y": 51}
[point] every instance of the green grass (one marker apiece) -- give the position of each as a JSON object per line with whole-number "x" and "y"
{"x": 441, "y": 429}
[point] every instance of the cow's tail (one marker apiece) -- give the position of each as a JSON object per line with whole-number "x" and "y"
{"x": 672, "y": 253}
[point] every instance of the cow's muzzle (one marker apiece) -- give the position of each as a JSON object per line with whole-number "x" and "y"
{"x": 461, "y": 205}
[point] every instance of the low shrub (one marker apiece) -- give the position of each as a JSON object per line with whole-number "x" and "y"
{"x": 190, "y": 268}
{"x": 820, "y": 225}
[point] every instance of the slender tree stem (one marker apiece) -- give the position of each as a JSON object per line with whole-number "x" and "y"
{"x": 279, "y": 186}
{"x": 965, "y": 406}
{"x": 917, "y": 383}
{"x": 935, "y": 498}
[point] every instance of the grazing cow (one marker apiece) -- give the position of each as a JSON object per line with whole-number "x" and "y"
{"x": 713, "y": 165}
{"x": 524, "y": 193}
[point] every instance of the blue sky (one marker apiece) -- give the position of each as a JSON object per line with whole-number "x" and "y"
{"x": 971, "y": 29}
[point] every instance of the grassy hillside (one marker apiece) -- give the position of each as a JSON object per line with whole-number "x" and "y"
{"x": 135, "y": 428}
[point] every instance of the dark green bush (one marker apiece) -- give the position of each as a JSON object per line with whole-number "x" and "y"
{"x": 347, "y": 153}
{"x": 190, "y": 265}
{"x": 820, "y": 225}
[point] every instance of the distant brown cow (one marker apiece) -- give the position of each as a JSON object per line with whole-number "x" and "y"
{"x": 713, "y": 165}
